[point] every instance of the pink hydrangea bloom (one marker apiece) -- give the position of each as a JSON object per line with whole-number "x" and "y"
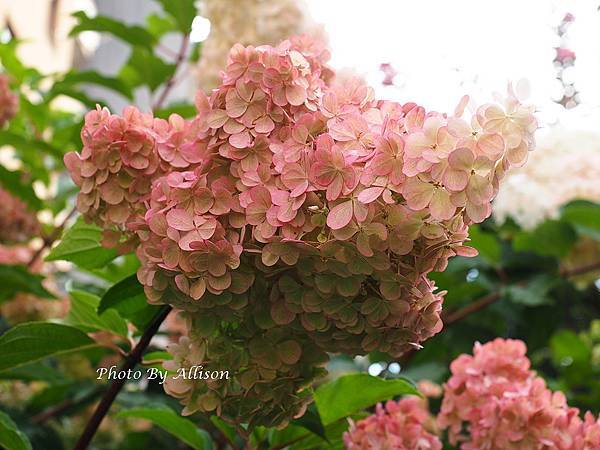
{"x": 284, "y": 163}
{"x": 494, "y": 401}
{"x": 302, "y": 192}
{"x": 402, "y": 425}
{"x": 9, "y": 101}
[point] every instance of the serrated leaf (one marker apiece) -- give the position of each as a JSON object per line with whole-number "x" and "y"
{"x": 133, "y": 34}
{"x": 83, "y": 315}
{"x": 11, "y": 437}
{"x": 167, "y": 419}
{"x": 14, "y": 182}
{"x": 350, "y": 393}
{"x": 29, "y": 342}
{"x": 183, "y": 11}
{"x": 128, "y": 298}
{"x": 14, "y": 279}
{"x": 80, "y": 244}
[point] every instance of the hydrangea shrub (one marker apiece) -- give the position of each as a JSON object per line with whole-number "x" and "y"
{"x": 491, "y": 401}
{"x": 295, "y": 209}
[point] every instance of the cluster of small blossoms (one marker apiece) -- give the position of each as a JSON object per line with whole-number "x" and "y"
{"x": 494, "y": 401}
{"x": 402, "y": 425}
{"x": 9, "y": 102}
{"x": 269, "y": 367}
{"x": 249, "y": 22}
{"x": 341, "y": 202}
{"x": 120, "y": 159}
{"x": 17, "y": 223}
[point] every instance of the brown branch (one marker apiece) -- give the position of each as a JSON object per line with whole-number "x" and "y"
{"x": 49, "y": 240}
{"x": 171, "y": 81}
{"x": 115, "y": 387}
{"x": 59, "y": 409}
{"x": 494, "y": 296}
{"x": 483, "y": 302}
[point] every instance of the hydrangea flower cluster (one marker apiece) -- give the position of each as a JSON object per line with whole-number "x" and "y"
{"x": 9, "y": 101}
{"x": 17, "y": 223}
{"x": 402, "y": 425}
{"x": 492, "y": 401}
{"x": 500, "y": 403}
{"x": 249, "y": 22}
{"x": 294, "y": 200}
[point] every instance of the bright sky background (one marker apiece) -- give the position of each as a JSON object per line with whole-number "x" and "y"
{"x": 444, "y": 49}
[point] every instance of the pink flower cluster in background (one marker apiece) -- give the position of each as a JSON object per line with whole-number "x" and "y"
{"x": 9, "y": 101}
{"x": 402, "y": 425}
{"x": 17, "y": 223}
{"x": 492, "y": 401}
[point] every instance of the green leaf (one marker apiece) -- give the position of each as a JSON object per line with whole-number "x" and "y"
{"x": 186, "y": 110}
{"x": 10, "y": 436}
{"x": 15, "y": 279}
{"x": 37, "y": 371}
{"x": 15, "y": 183}
{"x": 167, "y": 419}
{"x": 551, "y": 238}
{"x": 568, "y": 348}
{"x": 350, "y": 393}
{"x": 534, "y": 293}
{"x": 80, "y": 244}
{"x": 487, "y": 245}
{"x": 585, "y": 216}
{"x": 33, "y": 341}
{"x": 311, "y": 421}
{"x": 83, "y": 315}
{"x": 133, "y": 34}
{"x": 128, "y": 298}
{"x": 183, "y": 11}
{"x": 74, "y": 78}
{"x": 28, "y": 145}
{"x": 145, "y": 68}
{"x": 160, "y": 25}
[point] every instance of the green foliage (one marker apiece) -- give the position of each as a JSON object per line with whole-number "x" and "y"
{"x": 144, "y": 68}
{"x": 80, "y": 244}
{"x": 83, "y": 315}
{"x": 172, "y": 422}
{"x": 33, "y": 341}
{"x": 128, "y": 299}
{"x": 134, "y": 35}
{"x": 348, "y": 394}
{"x": 551, "y": 238}
{"x": 10, "y": 436}
{"x": 15, "y": 183}
{"x": 182, "y": 11}
{"x": 14, "y": 279}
